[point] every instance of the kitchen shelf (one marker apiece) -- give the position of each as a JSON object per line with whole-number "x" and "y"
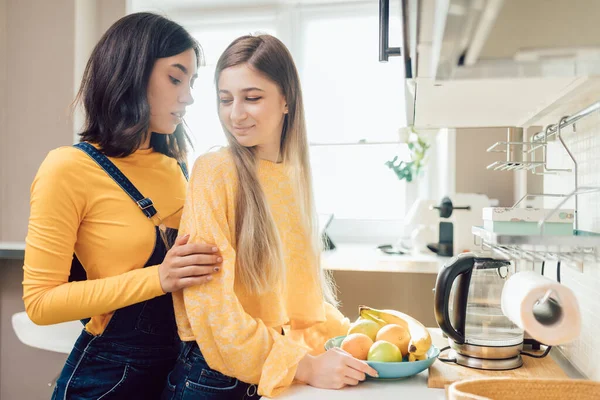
{"x": 581, "y": 246}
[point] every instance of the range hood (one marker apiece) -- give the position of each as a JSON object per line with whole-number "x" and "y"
{"x": 473, "y": 39}
{"x": 478, "y": 63}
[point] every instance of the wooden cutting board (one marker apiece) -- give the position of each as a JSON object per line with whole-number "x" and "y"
{"x": 442, "y": 374}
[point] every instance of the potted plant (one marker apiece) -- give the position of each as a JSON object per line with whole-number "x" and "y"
{"x": 417, "y": 146}
{"x": 409, "y": 170}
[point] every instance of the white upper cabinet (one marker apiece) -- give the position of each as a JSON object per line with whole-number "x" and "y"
{"x": 474, "y": 39}
{"x": 498, "y": 62}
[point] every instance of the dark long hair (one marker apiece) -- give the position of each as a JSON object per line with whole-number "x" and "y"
{"x": 115, "y": 81}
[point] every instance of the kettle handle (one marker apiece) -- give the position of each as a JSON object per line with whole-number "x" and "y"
{"x": 460, "y": 267}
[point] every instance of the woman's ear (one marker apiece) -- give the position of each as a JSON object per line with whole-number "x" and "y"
{"x": 285, "y": 109}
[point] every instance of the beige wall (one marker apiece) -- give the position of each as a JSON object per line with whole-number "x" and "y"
{"x": 3, "y": 89}
{"x": 38, "y": 57}
{"x": 24, "y": 371}
{"x": 471, "y": 162}
{"x": 3, "y": 176}
{"x": 39, "y": 62}
{"x": 43, "y": 48}
{"x": 411, "y": 293}
{"x": 48, "y": 46}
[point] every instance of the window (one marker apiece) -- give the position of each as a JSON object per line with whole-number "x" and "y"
{"x": 349, "y": 97}
{"x": 349, "y": 94}
{"x": 202, "y": 116}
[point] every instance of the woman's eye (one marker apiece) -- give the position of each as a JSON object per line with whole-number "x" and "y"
{"x": 174, "y": 81}
{"x": 253, "y": 98}
{"x": 224, "y": 101}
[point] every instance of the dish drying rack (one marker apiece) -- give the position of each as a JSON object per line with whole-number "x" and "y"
{"x": 531, "y": 156}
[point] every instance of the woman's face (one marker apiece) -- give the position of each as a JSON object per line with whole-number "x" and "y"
{"x": 252, "y": 108}
{"x": 169, "y": 90}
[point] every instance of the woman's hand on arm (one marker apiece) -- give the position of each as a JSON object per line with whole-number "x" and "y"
{"x": 333, "y": 369}
{"x": 188, "y": 264}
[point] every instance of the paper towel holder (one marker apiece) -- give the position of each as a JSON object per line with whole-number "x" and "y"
{"x": 547, "y": 310}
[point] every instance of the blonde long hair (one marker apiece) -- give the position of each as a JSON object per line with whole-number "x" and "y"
{"x": 260, "y": 266}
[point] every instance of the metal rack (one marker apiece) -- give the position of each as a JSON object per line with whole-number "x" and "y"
{"x": 575, "y": 250}
{"x": 525, "y": 155}
{"x": 521, "y": 155}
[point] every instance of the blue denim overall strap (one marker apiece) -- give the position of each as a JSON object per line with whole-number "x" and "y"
{"x": 145, "y": 203}
{"x": 139, "y": 346}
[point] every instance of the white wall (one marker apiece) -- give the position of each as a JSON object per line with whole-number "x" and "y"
{"x": 585, "y": 145}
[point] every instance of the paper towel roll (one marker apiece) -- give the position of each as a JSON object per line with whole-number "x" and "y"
{"x": 546, "y": 309}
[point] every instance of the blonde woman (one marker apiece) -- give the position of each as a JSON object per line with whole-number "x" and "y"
{"x": 261, "y": 323}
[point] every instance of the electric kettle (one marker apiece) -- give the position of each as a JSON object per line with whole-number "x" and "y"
{"x": 467, "y": 309}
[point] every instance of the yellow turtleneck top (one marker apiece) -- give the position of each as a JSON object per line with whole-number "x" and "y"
{"x": 77, "y": 208}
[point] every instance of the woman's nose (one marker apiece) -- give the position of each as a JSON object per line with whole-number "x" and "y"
{"x": 186, "y": 98}
{"x": 238, "y": 111}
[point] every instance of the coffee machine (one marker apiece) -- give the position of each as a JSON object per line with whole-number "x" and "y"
{"x": 467, "y": 308}
{"x": 457, "y": 215}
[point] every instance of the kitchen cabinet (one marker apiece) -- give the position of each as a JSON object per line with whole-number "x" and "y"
{"x": 495, "y": 62}
{"x": 512, "y": 38}
{"x": 486, "y": 103}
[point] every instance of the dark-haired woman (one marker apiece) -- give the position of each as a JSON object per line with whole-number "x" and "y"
{"x": 102, "y": 244}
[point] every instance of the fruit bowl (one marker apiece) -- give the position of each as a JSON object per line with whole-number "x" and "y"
{"x": 394, "y": 370}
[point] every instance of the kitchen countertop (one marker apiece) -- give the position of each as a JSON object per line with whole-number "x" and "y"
{"x": 367, "y": 257}
{"x": 12, "y": 250}
{"x": 408, "y": 388}
{"x": 413, "y": 387}
{"x": 346, "y": 257}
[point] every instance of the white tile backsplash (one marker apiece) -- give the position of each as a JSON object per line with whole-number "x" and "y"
{"x": 584, "y": 142}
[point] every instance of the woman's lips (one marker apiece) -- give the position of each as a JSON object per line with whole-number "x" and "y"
{"x": 242, "y": 129}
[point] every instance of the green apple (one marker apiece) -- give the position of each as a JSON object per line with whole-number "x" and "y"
{"x": 384, "y": 351}
{"x": 366, "y": 327}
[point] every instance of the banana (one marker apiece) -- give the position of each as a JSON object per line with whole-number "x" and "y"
{"x": 420, "y": 339}
{"x": 382, "y": 317}
{"x": 412, "y": 357}
{"x": 374, "y": 318}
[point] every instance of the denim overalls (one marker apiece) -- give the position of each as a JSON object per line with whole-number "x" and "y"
{"x": 193, "y": 379}
{"x": 133, "y": 356}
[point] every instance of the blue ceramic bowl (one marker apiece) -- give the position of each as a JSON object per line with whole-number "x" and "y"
{"x": 394, "y": 370}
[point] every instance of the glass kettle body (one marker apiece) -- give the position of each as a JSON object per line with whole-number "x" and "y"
{"x": 467, "y": 306}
